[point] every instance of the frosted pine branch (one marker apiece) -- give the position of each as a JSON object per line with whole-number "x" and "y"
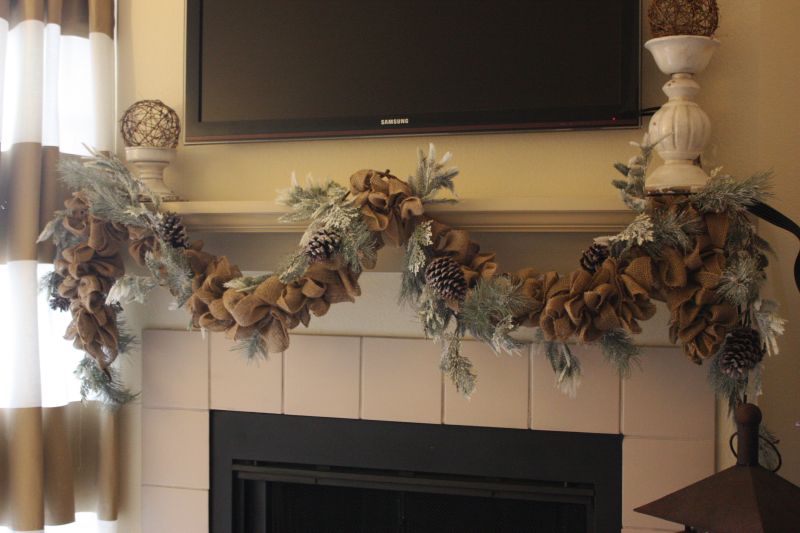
{"x": 415, "y": 261}
{"x": 638, "y": 232}
{"x": 131, "y": 289}
{"x": 619, "y": 350}
{"x": 247, "y": 283}
{"x": 488, "y": 312}
{"x": 312, "y": 201}
{"x": 742, "y": 279}
{"x": 458, "y": 367}
{"x": 725, "y": 193}
{"x": 566, "y": 366}
{"x": 432, "y": 177}
{"x": 253, "y": 347}
{"x": 434, "y": 314}
{"x": 172, "y": 270}
{"x": 103, "y": 386}
{"x": 768, "y": 323}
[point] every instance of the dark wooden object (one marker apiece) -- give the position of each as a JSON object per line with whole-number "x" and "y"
{"x": 745, "y": 498}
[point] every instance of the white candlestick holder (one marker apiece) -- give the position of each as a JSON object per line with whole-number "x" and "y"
{"x": 150, "y": 163}
{"x": 680, "y": 128}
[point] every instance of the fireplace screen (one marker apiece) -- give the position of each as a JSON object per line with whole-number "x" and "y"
{"x": 287, "y": 474}
{"x": 281, "y": 499}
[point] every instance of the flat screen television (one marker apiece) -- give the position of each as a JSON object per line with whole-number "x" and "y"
{"x": 294, "y": 69}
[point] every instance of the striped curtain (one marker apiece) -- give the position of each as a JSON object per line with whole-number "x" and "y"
{"x": 58, "y": 457}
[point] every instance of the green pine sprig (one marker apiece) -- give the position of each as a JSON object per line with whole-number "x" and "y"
{"x": 253, "y": 347}
{"x": 620, "y": 351}
{"x": 433, "y": 177}
{"x": 488, "y": 312}
{"x": 725, "y": 193}
{"x": 457, "y": 366}
{"x": 566, "y": 366}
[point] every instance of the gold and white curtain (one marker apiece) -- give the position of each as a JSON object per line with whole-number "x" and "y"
{"x": 58, "y": 458}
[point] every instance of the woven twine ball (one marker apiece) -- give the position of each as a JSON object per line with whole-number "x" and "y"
{"x": 683, "y": 17}
{"x": 151, "y": 123}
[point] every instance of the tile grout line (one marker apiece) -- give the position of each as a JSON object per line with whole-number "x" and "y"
{"x": 360, "y": 378}
{"x": 283, "y": 382}
{"x": 441, "y": 396}
{"x": 183, "y": 409}
{"x": 173, "y": 487}
{"x": 208, "y": 369}
{"x": 621, "y": 410}
{"x": 530, "y": 386}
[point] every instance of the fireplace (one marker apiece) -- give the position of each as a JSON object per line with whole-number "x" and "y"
{"x": 279, "y": 473}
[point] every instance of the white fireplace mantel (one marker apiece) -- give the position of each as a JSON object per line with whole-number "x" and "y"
{"x": 537, "y": 214}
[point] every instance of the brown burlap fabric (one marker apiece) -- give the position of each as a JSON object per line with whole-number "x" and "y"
{"x": 89, "y": 270}
{"x": 456, "y": 244}
{"x": 534, "y": 286}
{"x": 700, "y": 318}
{"x": 587, "y": 305}
{"x": 141, "y": 242}
{"x": 582, "y": 304}
{"x": 386, "y": 203}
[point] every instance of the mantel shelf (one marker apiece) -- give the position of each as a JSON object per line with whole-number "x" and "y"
{"x": 539, "y": 214}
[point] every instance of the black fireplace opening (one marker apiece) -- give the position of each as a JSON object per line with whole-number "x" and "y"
{"x": 291, "y": 474}
{"x": 283, "y": 498}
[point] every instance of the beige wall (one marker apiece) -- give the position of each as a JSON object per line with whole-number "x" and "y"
{"x": 776, "y": 137}
{"x": 151, "y": 34}
{"x": 749, "y": 91}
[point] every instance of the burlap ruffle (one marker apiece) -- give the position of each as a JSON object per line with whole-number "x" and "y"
{"x": 700, "y": 318}
{"x": 142, "y": 242}
{"x": 258, "y": 312}
{"x": 582, "y": 304}
{"x": 89, "y": 269}
{"x": 456, "y": 244}
{"x": 76, "y": 218}
{"x": 95, "y": 332}
{"x": 273, "y": 307}
{"x": 587, "y": 305}
{"x": 82, "y": 260}
{"x": 532, "y": 285}
{"x": 386, "y": 203}
{"x": 206, "y": 303}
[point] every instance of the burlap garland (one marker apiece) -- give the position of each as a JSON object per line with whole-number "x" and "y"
{"x": 386, "y": 203}
{"x": 103, "y": 237}
{"x": 586, "y": 305}
{"x": 142, "y": 242}
{"x": 534, "y": 285}
{"x": 456, "y": 244}
{"x": 94, "y": 332}
{"x": 208, "y": 287}
{"x": 89, "y": 270}
{"x": 699, "y": 316}
{"x": 77, "y": 214}
{"x": 581, "y": 304}
{"x": 273, "y": 307}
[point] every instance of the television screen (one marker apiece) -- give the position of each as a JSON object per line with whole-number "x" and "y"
{"x": 282, "y": 69}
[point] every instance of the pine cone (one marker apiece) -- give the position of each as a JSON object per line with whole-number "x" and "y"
{"x": 59, "y": 303}
{"x": 446, "y": 278}
{"x": 323, "y": 245}
{"x": 742, "y": 351}
{"x": 172, "y": 231}
{"x": 593, "y": 257}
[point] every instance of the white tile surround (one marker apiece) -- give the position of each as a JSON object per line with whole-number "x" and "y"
{"x": 666, "y": 411}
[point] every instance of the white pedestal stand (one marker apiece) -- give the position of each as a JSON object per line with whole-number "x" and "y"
{"x": 150, "y": 164}
{"x": 680, "y": 127}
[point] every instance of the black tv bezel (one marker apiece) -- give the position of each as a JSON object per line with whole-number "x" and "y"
{"x": 627, "y": 115}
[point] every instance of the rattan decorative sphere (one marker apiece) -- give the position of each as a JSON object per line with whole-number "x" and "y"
{"x": 683, "y": 17}
{"x": 151, "y": 123}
